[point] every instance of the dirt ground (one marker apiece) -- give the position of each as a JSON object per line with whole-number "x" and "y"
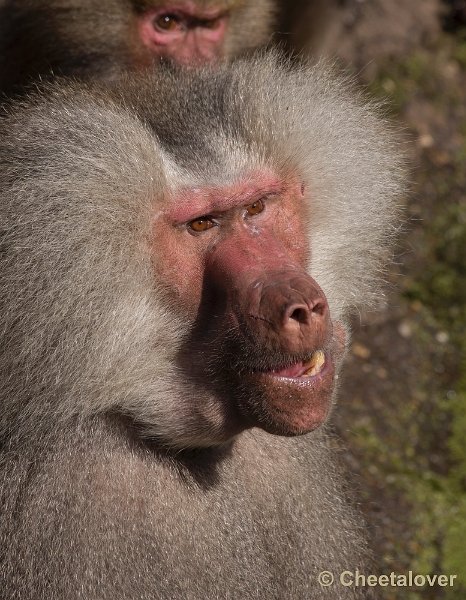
{"x": 395, "y": 414}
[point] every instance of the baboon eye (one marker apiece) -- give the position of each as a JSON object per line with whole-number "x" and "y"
{"x": 167, "y": 22}
{"x": 201, "y": 224}
{"x": 255, "y": 208}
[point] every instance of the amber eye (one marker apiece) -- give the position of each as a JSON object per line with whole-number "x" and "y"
{"x": 255, "y": 208}
{"x": 202, "y": 224}
{"x": 167, "y": 22}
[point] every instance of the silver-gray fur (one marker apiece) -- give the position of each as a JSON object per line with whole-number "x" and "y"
{"x": 115, "y": 477}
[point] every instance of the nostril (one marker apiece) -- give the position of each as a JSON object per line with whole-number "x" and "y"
{"x": 297, "y": 313}
{"x": 319, "y": 308}
{"x": 300, "y": 315}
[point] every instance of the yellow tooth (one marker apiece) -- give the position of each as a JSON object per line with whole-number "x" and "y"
{"x": 316, "y": 362}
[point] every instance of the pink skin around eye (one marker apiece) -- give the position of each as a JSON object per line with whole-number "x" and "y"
{"x": 192, "y": 203}
{"x": 190, "y": 42}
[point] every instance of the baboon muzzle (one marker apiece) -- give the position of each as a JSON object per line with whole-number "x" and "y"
{"x": 272, "y": 298}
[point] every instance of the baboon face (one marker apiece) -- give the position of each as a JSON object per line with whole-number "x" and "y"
{"x": 186, "y": 32}
{"x": 234, "y": 258}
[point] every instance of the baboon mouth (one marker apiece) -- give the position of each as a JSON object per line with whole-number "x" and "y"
{"x": 296, "y": 398}
{"x": 304, "y": 369}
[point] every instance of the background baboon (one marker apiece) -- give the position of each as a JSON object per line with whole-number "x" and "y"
{"x": 161, "y": 317}
{"x": 87, "y": 38}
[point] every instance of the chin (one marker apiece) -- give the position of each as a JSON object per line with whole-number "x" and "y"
{"x": 294, "y": 398}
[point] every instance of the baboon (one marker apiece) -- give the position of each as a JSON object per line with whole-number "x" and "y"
{"x": 89, "y": 38}
{"x": 175, "y": 279}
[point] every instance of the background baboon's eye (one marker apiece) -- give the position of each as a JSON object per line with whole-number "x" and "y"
{"x": 167, "y": 22}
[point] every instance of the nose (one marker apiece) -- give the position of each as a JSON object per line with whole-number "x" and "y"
{"x": 273, "y": 301}
{"x": 295, "y": 309}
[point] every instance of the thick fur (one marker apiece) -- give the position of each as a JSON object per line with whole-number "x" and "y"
{"x": 89, "y": 38}
{"x": 112, "y": 482}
